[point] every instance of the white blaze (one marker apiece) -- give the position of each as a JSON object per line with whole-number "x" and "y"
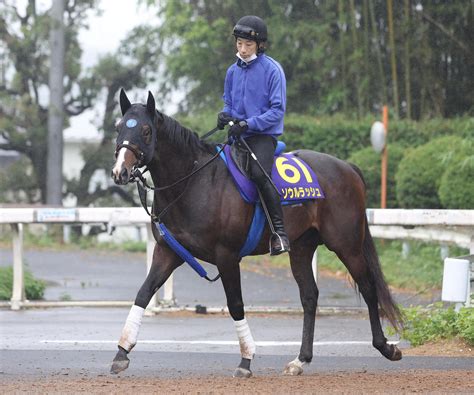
{"x": 120, "y": 160}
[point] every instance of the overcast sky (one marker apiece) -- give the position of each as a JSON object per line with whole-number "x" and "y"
{"x": 103, "y": 36}
{"x": 105, "y": 32}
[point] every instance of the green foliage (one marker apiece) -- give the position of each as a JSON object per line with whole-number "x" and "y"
{"x": 34, "y": 288}
{"x": 420, "y": 172}
{"x": 457, "y": 183}
{"x": 336, "y": 135}
{"x": 421, "y": 270}
{"x": 24, "y": 38}
{"x": 336, "y": 54}
{"x": 369, "y": 162}
{"x": 437, "y": 322}
{"x": 465, "y": 324}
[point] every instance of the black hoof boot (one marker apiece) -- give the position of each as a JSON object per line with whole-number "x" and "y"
{"x": 120, "y": 361}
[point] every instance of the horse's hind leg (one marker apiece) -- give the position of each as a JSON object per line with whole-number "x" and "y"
{"x": 301, "y": 254}
{"x": 164, "y": 262}
{"x": 230, "y": 273}
{"x": 371, "y": 283}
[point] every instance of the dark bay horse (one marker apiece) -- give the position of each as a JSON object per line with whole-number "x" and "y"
{"x": 211, "y": 220}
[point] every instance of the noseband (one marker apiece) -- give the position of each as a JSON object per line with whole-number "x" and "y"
{"x": 138, "y": 153}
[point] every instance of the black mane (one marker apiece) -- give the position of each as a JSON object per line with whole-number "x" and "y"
{"x": 183, "y": 137}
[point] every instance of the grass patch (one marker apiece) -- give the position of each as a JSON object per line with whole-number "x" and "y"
{"x": 436, "y": 322}
{"x": 421, "y": 270}
{"x": 34, "y": 288}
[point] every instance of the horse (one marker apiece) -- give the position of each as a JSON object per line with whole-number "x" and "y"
{"x": 208, "y": 217}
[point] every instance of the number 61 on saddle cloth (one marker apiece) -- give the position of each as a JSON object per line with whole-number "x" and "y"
{"x": 294, "y": 179}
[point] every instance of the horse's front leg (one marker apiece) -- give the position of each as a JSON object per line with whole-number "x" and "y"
{"x": 300, "y": 260}
{"x": 230, "y": 274}
{"x": 164, "y": 262}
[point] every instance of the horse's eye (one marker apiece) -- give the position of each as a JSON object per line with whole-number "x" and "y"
{"x": 118, "y": 122}
{"x": 146, "y": 133}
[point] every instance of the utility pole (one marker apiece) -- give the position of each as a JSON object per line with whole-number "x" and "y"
{"x": 54, "y": 176}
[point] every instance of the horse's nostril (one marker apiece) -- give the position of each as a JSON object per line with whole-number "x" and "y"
{"x": 124, "y": 176}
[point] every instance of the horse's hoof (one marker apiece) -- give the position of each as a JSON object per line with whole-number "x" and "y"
{"x": 293, "y": 370}
{"x": 390, "y": 351}
{"x": 120, "y": 362}
{"x": 118, "y": 366}
{"x": 241, "y": 372}
{"x": 396, "y": 355}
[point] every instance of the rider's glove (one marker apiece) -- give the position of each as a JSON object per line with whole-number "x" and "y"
{"x": 223, "y": 119}
{"x": 237, "y": 129}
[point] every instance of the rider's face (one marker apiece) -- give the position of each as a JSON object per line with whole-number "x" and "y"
{"x": 246, "y": 48}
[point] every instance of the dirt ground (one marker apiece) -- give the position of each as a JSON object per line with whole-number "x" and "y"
{"x": 442, "y": 348}
{"x": 416, "y": 381}
{"x": 383, "y": 382}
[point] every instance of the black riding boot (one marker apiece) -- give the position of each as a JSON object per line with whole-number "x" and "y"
{"x": 279, "y": 242}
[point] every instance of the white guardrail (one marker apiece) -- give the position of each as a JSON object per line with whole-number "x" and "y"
{"x": 442, "y": 226}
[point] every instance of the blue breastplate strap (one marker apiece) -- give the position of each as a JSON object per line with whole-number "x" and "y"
{"x": 255, "y": 231}
{"x": 180, "y": 250}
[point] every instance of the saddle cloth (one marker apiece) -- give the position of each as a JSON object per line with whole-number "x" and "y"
{"x": 294, "y": 179}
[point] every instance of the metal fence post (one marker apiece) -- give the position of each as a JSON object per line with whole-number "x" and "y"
{"x": 18, "y": 291}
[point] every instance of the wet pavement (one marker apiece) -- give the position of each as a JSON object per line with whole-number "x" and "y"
{"x": 81, "y": 342}
{"x": 104, "y": 275}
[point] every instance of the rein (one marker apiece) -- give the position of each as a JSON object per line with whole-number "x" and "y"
{"x": 138, "y": 174}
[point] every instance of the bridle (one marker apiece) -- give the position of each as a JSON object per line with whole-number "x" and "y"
{"x": 136, "y": 151}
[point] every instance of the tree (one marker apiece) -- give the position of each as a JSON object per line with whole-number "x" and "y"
{"x": 132, "y": 66}
{"x": 23, "y": 109}
{"x": 332, "y": 63}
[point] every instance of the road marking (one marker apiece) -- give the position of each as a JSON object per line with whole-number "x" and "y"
{"x": 216, "y": 342}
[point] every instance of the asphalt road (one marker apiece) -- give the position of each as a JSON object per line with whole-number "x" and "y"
{"x": 104, "y": 275}
{"x": 81, "y": 342}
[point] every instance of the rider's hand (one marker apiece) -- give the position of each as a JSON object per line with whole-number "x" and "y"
{"x": 237, "y": 129}
{"x": 223, "y": 119}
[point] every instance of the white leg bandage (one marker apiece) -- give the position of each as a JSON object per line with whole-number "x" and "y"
{"x": 247, "y": 344}
{"x": 130, "y": 330}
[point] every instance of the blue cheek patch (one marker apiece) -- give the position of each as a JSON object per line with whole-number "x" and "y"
{"x": 131, "y": 123}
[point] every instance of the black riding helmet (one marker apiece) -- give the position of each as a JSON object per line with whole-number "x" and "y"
{"x": 251, "y": 27}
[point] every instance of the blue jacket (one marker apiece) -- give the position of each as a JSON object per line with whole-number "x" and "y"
{"x": 256, "y": 92}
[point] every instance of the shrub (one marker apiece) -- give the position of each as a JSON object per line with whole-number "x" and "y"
{"x": 34, "y": 289}
{"x": 335, "y": 136}
{"x": 457, "y": 184}
{"x": 419, "y": 174}
{"x": 369, "y": 162}
{"x": 437, "y": 322}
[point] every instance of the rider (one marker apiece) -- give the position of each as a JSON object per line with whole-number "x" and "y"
{"x": 255, "y": 99}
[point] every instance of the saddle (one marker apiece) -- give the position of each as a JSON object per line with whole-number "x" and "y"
{"x": 294, "y": 179}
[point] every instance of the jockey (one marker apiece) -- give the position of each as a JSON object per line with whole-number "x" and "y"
{"x": 255, "y": 99}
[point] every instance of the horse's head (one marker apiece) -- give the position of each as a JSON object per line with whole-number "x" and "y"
{"x": 136, "y": 140}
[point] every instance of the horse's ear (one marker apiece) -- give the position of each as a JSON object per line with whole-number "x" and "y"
{"x": 150, "y": 104}
{"x": 124, "y": 102}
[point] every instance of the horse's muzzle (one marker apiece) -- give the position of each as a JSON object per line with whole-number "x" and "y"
{"x": 122, "y": 177}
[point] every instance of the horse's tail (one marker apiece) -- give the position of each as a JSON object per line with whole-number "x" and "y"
{"x": 387, "y": 305}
